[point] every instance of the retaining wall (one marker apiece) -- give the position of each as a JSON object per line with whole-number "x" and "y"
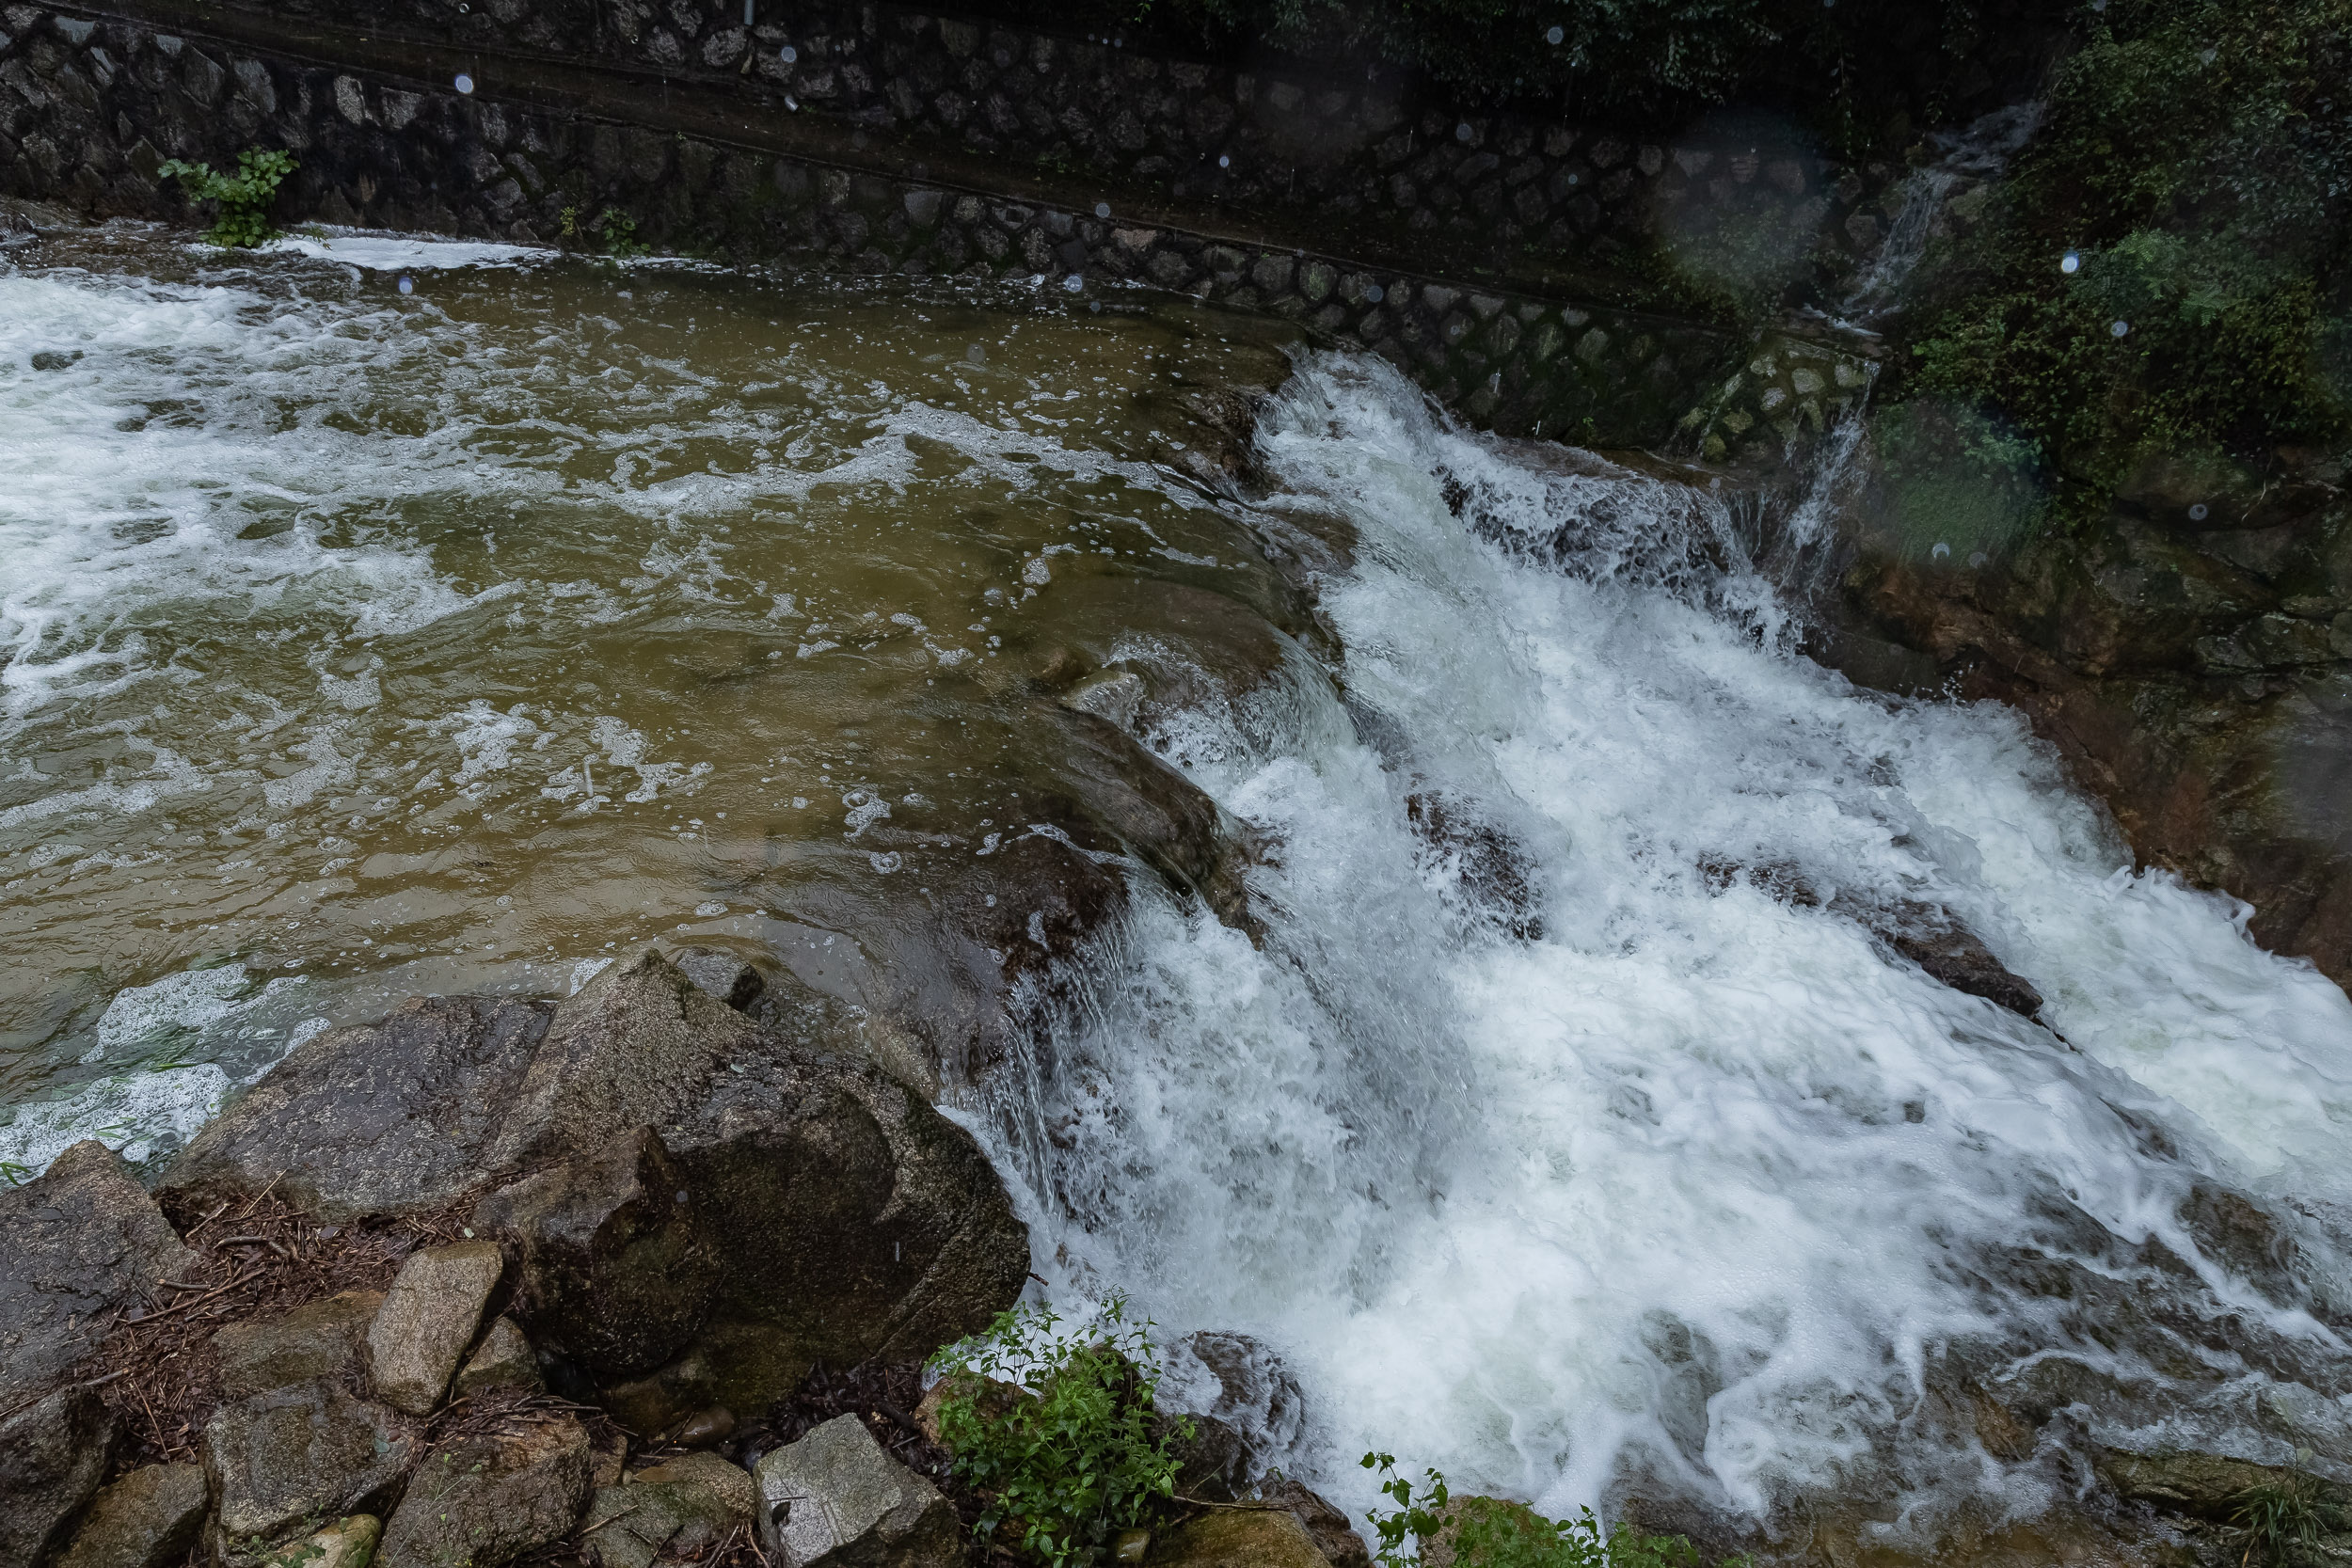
{"x": 902, "y": 142}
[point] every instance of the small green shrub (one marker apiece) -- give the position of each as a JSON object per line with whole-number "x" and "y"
{"x": 245, "y": 196}
{"x": 1065, "y": 1471}
{"x": 1485, "y": 1533}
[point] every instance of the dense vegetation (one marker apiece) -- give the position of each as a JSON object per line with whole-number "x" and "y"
{"x": 2165, "y": 273}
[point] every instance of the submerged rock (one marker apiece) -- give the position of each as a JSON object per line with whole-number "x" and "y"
{"x": 485, "y": 1500}
{"x": 76, "y": 1243}
{"x": 427, "y": 1320}
{"x": 148, "y": 1519}
{"x": 836, "y": 1498}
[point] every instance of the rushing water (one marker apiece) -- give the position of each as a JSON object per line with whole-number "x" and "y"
{"x": 1567, "y": 1127}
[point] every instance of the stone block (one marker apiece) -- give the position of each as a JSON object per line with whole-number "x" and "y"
{"x": 427, "y": 1320}
{"x": 671, "y": 1512}
{"x": 283, "y": 1456}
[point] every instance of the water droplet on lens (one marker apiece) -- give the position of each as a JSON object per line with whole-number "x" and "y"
{"x": 790, "y": 54}
{"x": 1101, "y": 209}
{"x": 465, "y": 83}
{"x": 1463, "y": 132}
{"x": 1554, "y": 35}
{"x": 2118, "y": 328}
{"x": 1375, "y": 294}
{"x": 2197, "y": 513}
{"x": 407, "y": 284}
{"x": 1941, "y": 551}
{"x": 1073, "y": 282}
{"x": 1223, "y": 161}
{"x": 2071, "y": 261}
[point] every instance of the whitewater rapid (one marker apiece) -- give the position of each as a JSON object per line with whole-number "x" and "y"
{"x": 1684, "y": 1192}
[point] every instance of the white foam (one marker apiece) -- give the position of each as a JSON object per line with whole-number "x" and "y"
{"x": 1696, "y": 1183}
{"x": 406, "y": 252}
{"x": 138, "y": 1114}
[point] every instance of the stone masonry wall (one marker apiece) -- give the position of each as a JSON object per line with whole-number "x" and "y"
{"x": 1374, "y": 167}
{"x": 90, "y": 104}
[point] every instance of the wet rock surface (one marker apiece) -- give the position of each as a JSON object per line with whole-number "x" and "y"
{"x": 53, "y": 1450}
{"x": 381, "y": 1118}
{"x": 148, "y": 1519}
{"x": 80, "y": 1242}
{"x": 859, "y": 1222}
{"x": 1238, "y": 1538}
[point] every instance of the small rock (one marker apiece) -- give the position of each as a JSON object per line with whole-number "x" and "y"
{"x": 148, "y": 1519}
{"x": 427, "y": 1319}
{"x": 53, "y": 1452}
{"x": 723, "y": 975}
{"x": 486, "y": 1501}
{"x": 505, "y": 1360}
{"x": 1116, "y": 695}
{"x": 1238, "y": 1538}
{"x": 348, "y": 1542}
{"x": 673, "y": 1510}
{"x": 2210, "y": 1485}
{"x": 76, "y": 1242}
{"x": 835, "y": 1498}
{"x": 1956, "y": 957}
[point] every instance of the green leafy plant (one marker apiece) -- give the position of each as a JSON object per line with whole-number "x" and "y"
{"x": 2168, "y": 271}
{"x": 1080, "y": 1454}
{"x": 1487, "y": 1532}
{"x": 620, "y": 232}
{"x": 244, "y": 197}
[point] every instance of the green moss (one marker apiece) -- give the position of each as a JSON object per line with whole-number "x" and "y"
{"x": 2193, "y": 165}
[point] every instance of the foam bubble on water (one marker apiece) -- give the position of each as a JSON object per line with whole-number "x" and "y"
{"x": 1697, "y": 1181}
{"x": 138, "y": 1115}
{"x": 405, "y": 252}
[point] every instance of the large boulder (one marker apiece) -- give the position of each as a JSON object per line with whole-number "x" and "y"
{"x": 148, "y": 1519}
{"x": 373, "y": 1119}
{"x": 616, "y": 1272}
{"x": 704, "y": 1204}
{"x": 76, "y": 1242}
{"x": 53, "y": 1453}
{"x": 290, "y": 1443}
{"x": 428, "y": 1321}
{"x": 836, "y": 1498}
{"x": 485, "y": 1500}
